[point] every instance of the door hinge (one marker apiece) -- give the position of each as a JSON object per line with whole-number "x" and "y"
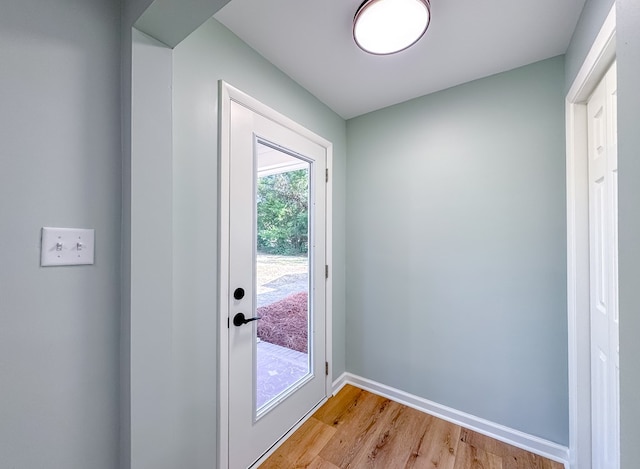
{"x": 326, "y": 271}
{"x": 227, "y": 323}
{"x": 326, "y": 368}
{"x": 326, "y": 175}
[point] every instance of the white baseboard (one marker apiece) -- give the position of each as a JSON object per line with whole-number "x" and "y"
{"x": 508, "y": 435}
{"x": 340, "y": 382}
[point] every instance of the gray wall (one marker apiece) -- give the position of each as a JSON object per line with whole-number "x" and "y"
{"x": 456, "y": 249}
{"x": 131, "y": 10}
{"x": 589, "y": 24}
{"x": 154, "y": 442}
{"x": 628, "y": 30}
{"x": 173, "y": 321}
{"x": 211, "y": 53}
{"x": 59, "y": 166}
{"x": 628, "y": 57}
{"x": 170, "y": 21}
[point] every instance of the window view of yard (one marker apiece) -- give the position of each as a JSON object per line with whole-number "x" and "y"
{"x": 282, "y": 281}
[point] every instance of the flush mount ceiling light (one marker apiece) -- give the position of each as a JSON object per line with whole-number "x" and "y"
{"x": 385, "y": 27}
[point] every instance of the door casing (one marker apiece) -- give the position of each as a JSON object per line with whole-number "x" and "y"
{"x": 226, "y": 95}
{"x": 595, "y": 65}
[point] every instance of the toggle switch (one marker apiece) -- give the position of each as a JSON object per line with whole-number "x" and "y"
{"x": 67, "y": 246}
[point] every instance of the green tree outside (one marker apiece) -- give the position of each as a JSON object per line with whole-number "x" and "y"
{"x": 283, "y": 213}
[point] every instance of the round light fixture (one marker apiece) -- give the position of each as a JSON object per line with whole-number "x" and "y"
{"x": 385, "y": 27}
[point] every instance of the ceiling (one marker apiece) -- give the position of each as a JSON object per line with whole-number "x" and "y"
{"x": 311, "y": 41}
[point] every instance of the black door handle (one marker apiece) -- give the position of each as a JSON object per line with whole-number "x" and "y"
{"x": 239, "y": 319}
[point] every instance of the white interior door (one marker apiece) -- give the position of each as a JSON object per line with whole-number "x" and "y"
{"x": 276, "y": 299}
{"x": 603, "y": 243}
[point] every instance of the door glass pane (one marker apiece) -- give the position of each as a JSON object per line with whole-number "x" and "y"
{"x": 282, "y": 275}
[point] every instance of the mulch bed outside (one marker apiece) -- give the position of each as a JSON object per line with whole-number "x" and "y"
{"x": 284, "y": 322}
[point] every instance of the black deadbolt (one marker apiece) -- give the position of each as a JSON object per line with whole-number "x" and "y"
{"x": 238, "y": 294}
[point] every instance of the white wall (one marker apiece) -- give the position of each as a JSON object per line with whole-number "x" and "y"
{"x": 59, "y": 166}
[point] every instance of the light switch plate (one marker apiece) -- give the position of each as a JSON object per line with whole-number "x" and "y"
{"x": 67, "y": 246}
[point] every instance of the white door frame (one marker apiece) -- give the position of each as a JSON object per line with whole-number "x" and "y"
{"x": 595, "y": 65}
{"x": 228, "y": 93}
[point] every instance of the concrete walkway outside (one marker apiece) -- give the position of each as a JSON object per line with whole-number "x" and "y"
{"x": 278, "y": 369}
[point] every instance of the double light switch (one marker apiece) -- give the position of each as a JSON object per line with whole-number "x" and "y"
{"x": 67, "y": 246}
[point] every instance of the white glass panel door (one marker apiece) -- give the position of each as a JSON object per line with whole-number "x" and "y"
{"x": 276, "y": 282}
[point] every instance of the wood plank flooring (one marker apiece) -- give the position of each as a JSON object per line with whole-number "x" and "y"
{"x": 358, "y": 429}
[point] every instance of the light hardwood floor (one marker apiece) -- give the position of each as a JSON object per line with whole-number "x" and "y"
{"x": 358, "y": 429}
